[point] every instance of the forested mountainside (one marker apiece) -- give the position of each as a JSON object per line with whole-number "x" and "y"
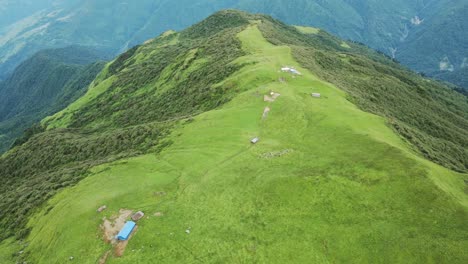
{"x": 347, "y": 175}
{"x": 428, "y": 36}
{"x": 438, "y": 45}
{"x": 42, "y": 85}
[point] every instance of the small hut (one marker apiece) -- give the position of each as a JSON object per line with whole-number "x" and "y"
{"x": 294, "y": 71}
{"x": 290, "y": 70}
{"x": 254, "y": 140}
{"x": 137, "y": 216}
{"x": 316, "y": 95}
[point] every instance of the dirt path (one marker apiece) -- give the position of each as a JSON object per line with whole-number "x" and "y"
{"x": 121, "y": 245}
{"x": 265, "y": 112}
{"x": 104, "y": 257}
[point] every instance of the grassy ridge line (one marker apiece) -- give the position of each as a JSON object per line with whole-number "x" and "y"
{"x": 174, "y": 75}
{"x": 340, "y": 196}
{"x": 445, "y": 179}
{"x": 149, "y": 85}
{"x": 428, "y": 114}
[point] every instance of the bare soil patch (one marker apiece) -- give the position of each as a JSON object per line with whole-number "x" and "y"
{"x": 267, "y": 98}
{"x": 159, "y": 193}
{"x": 112, "y": 226}
{"x": 121, "y": 245}
{"x": 265, "y": 112}
{"x": 270, "y": 155}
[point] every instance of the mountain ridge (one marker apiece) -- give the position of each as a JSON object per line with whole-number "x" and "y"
{"x": 401, "y": 29}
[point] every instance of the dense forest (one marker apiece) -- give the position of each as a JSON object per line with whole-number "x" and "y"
{"x": 44, "y": 85}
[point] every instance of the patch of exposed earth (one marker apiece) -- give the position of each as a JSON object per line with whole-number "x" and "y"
{"x": 111, "y": 228}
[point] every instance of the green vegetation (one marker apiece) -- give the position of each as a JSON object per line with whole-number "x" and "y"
{"x": 181, "y": 83}
{"x": 437, "y": 38}
{"x": 128, "y": 110}
{"x": 428, "y": 114}
{"x": 43, "y": 85}
{"x": 307, "y": 30}
{"x": 348, "y": 189}
{"x": 419, "y": 33}
{"x": 49, "y": 161}
{"x": 459, "y": 77}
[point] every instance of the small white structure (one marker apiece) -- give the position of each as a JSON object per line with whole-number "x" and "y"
{"x": 290, "y": 70}
{"x": 274, "y": 95}
{"x": 254, "y": 140}
{"x": 294, "y": 71}
{"x": 317, "y": 95}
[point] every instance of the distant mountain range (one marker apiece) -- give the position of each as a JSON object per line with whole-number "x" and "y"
{"x": 428, "y": 36}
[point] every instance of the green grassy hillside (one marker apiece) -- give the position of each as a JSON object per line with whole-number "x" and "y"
{"x": 431, "y": 116}
{"x": 327, "y": 183}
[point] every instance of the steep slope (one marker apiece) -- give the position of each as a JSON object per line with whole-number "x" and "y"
{"x": 44, "y": 84}
{"x": 326, "y": 183}
{"x": 418, "y": 33}
{"x": 438, "y": 46}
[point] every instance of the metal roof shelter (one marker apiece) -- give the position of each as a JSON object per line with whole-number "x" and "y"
{"x": 294, "y": 71}
{"x": 254, "y": 140}
{"x": 138, "y": 216}
{"x": 126, "y": 230}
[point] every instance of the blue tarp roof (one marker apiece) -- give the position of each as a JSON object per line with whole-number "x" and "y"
{"x": 126, "y": 230}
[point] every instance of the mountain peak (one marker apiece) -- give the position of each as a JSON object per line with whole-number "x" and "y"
{"x": 219, "y": 21}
